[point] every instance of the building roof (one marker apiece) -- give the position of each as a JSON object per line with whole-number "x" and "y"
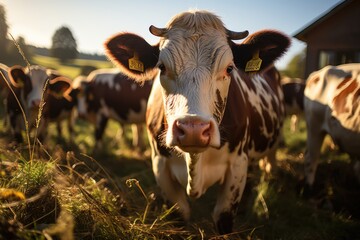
{"x": 301, "y": 34}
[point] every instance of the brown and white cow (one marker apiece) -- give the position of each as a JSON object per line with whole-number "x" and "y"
{"x": 60, "y": 101}
{"x": 109, "y": 94}
{"x": 332, "y": 106}
{"x": 206, "y": 118}
{"x": 28, "y": 85}
{"x": 293, "y": 89}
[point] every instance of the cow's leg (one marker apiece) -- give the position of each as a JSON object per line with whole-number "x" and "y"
{"x": 315, "y": 138}
{"x": 15, "y": 125}
{"x": 293, "y": 123}
{"x": 137, "y": 133}
{"x": 172, "y": 190}
{"x": 70, "y": 125}
{"x": 101, "y": 123}
{"x": 230, "y": 195}
{"x": 58, "y": 129}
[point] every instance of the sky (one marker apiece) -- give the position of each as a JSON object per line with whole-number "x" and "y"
{"x": 92, "y": 22}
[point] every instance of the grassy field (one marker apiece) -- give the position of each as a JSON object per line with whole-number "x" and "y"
{"x": 66, "y": 190}
{"x": 73, "y": 68}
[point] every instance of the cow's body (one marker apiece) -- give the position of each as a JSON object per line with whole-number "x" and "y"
{"x": 206, "y": 117}
{"x": 112, "y": 95}
{"x": 59, "y": 105}
{"x": 28, "y": 85}
{"x": 4, "y": 77}
{"x": 293, "y": 89}
{"x": 332, "y": 106}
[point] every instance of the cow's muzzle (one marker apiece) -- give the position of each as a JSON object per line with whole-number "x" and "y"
{"x": 194, "y": 134}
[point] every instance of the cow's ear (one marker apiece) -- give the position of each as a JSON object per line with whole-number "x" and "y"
{"x": 17, "y": 76}
{"x": 60, "y": 87}
{"x": 259, "y": 51}
{"x": 133, "y": 55}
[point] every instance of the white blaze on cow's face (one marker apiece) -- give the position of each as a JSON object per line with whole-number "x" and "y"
{"x": 38, "y": 77}
{"x": 195, "y": 68}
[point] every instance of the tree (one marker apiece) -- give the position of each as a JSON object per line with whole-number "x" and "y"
{"x": 3, "y": 34}
{"x": 18, "y": 51}
{"x": 296, "y": 67}
{"x": 64, "y": 45}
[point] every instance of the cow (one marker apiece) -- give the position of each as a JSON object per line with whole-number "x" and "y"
{"x": 60, "y": 101}
{"x": 214, "y": 105}
{"x": 293, "y": 89}
{"x": 28, "y": 90}
{"x": 109, "y": 94}
{"x": 331, "y": 106}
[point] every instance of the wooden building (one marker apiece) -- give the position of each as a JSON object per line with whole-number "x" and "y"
{"x": 333, "y": 38}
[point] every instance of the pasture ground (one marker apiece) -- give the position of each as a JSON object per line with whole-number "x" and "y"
{"x": 63, "y": 189}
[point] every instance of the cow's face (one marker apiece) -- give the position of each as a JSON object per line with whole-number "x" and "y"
{"x": 195, "y": 62}
{"x": 195, "y": 69}
{"x": 80, "y": 85}
{"x": 32, "y": 81}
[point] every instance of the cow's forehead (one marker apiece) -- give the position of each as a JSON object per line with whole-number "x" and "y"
{"x": 38, "y": 75}
{"x": 186, "y": 51}
{"x": 196, "y": 22}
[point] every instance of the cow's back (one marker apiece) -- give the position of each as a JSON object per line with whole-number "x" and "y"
{"x": 332, "y": 101}
{"x": 120, "y": 97}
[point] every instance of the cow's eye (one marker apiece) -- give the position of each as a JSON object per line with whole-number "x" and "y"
{"x": 162, "y": 68}
{"x": 229, "y": 69}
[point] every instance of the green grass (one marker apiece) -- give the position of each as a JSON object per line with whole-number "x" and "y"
{"x": 71, "y": 69}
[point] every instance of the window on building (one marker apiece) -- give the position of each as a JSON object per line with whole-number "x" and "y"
{"x": 331, "y": 57}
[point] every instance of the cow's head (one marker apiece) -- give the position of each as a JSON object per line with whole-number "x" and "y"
{"x": 31, "y": 80}
{"x": 195, "y": 60}
{"x": 79, "y": 85}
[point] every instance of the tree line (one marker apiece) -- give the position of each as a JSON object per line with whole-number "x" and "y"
{"x": 64, "y": 45}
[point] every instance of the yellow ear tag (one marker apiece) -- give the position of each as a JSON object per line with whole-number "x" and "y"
{"x": 253, "y": 64}
{"x": 136, "y": 64}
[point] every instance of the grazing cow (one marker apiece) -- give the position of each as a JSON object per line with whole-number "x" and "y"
{"x": 60, "y": 101}
{"x": 108, "y": 94}
{"x": 28, "y": 85}
{"x": 332, "y": 106}
{"x": 207, "y": 117}
{"x": 293, "y": 89}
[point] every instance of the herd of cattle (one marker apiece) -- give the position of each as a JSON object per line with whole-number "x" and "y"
{"x": 103, "y": 94}
{"x": 210, "y": 104}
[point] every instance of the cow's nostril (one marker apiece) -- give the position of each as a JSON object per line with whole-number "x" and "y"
{"x": 35, "y": 103}
{"x": 207, "y": 130}
{"x": 180, "y": 128}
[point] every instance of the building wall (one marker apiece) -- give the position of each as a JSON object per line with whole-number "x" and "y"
{"x": 339, "y": 32}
